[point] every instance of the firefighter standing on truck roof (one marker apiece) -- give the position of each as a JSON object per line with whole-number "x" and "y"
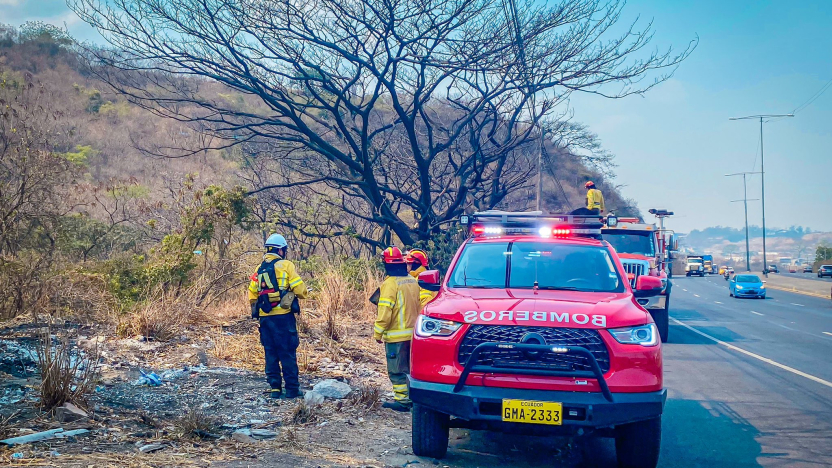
{"x": 398, "y": 306}
{"x": 417, "y": 263}
{"x": 273, "y": 294}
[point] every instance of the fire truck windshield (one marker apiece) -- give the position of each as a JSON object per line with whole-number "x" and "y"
{"x": 543, "y": 264}
{"x": 635, "y": 243}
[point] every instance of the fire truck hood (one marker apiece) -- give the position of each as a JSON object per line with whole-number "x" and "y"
{"x": 547, "y": 308}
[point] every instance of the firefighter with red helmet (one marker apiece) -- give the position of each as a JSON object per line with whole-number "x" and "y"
{"x": 594, "y": 198}
{"x": 398, "y": 307}
{"x": 417, "y": 263}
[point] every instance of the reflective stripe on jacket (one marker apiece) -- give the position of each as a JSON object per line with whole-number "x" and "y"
{"x": 594, "y": 199}
{"x": 426, "y": 296}
{"x": 398, "y": 307}
{"x": 287, "y": 279}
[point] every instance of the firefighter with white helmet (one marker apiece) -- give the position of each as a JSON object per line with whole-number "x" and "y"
{"x": 273, "y": 293}
{"x": 398, "y": 307}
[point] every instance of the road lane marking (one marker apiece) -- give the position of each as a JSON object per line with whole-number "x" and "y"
{"x": 685, "y": 290}
{"x": 697, "y": 295}
{"x": 756, "y": 356}
{"x": 717, "y": 302}
{"x": 799, "y": 305}
{"x": 827, "y": 333}
{"x": 756, "y": 313}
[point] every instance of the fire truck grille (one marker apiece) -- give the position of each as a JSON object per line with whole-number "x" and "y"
{"x": 634, "y": 267}
{"x": 589, "y": 339}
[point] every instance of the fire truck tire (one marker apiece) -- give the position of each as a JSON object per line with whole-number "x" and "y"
{"x": 637, "y": 444}
{"x": 661, "y": 319}
{"x": 430, "y": 432}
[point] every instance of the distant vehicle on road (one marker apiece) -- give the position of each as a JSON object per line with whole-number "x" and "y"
{"x": 773, "y": 269}
{"x": 728, "y": 272}
{"x": 792, "y": 268}
{"x": 710, "y": 268}
{"x": 824, "y": 270}
{"x": 807, "y": 269}
{"x": 747, "y": 286}
{"x": 695, "y": 266}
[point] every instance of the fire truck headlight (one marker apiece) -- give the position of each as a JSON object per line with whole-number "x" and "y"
{"x": 644, "y": 335}
{"x": 428, "y": 326}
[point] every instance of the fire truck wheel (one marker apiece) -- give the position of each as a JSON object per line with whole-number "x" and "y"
{"x": 637, "y": 444}
{"x": 661, "y": 319}
{"x": 429, "y": 432}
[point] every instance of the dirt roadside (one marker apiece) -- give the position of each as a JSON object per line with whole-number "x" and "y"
{"x": 227, "y": 395}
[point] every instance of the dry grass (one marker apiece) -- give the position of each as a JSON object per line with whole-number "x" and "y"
{"x": 364, "y": 309}
{"x": 305, "y": 351}
{"x": 160, "y": 318}
{"x": 332, "y": 302}
{"x": 67, "y": 375}
{"x": 366, "y": 396}
{"x": 291, "y": 439}
{"x": 304, "y": 414}
{"x": 240, "y": 350}
{"x": 196, "y": 422}
{"x": 6, "y": 425}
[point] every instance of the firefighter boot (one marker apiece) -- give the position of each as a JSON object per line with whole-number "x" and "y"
{"x": 397, "y": 406}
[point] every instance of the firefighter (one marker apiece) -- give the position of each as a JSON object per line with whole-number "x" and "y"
{"x": 273, "y": 293}
{"x": 398, "y": 306}
{"x": 594, "y": 198}
{"x": 594, "y": 201}
{"x": 417, "y": 262}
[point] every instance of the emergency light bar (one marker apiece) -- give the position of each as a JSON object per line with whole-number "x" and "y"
{"x": 497, "y": 223}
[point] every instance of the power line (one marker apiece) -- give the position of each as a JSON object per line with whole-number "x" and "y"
{"x": 813, "y": 97}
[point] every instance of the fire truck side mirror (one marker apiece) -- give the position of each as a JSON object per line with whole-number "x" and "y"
{"x": 673, "y": 245}
{"x": 429, "y": 280}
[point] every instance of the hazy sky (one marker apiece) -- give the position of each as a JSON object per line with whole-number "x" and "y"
{"x": 674, "y": 145}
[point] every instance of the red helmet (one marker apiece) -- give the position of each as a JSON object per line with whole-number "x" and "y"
{"x": 393, "y": 255}
{"x": 589, "y": 184}
{"x": 418, "y": 255}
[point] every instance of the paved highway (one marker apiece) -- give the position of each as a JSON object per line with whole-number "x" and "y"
{"x": 760, "y": 397}
{"x": 749, "y": 384}
{"x": 809, "y": 276}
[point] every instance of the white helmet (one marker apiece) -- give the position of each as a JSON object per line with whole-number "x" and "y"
{"x": 277, "y": 241}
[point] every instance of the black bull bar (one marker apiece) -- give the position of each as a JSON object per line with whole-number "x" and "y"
{"x": 472, "y": 365}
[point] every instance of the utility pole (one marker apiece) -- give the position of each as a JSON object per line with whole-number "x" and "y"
{"x": 763, "y": 173}
{"x": 745, "y": 200}
{"x": 540, "y": 170}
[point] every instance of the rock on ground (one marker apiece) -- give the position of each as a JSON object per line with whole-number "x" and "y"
{"x": 313, "y": 398}
{"x": 69, "y": 412}
{"x": 332, "y": 388}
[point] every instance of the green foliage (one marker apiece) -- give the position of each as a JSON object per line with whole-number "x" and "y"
{"x": 131, "y": 191}
{"x": 126, "y": 278}
{"x": 38, "y": 31}
{"x": 823, "y": 253}
{"x": 81, "y": 156}
{"x": 353, "y": 270}
{"x": 120, "y": 109}
{"x": 442, "y": 247}
{"x": 82, "y": 237}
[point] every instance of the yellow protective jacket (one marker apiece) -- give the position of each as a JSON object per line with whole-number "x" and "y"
{"x": 287, "y": 278}
{"x": 425, "y": 295}
{"x": 398, "y": 307}
{"x": 595, "y": 199}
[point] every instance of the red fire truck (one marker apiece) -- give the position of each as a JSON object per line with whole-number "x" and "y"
{"x": 642, "y": 249}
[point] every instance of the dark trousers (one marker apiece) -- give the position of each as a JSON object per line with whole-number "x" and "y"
{"x": 279, "y": 337}
{"x": 586, "y": 211}
{"x": 398, "y": 367}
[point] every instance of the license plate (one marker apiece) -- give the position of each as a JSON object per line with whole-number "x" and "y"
{"x": 533, "y": 412}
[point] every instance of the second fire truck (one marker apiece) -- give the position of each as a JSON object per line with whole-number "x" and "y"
{"x": 642, "y": 249}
